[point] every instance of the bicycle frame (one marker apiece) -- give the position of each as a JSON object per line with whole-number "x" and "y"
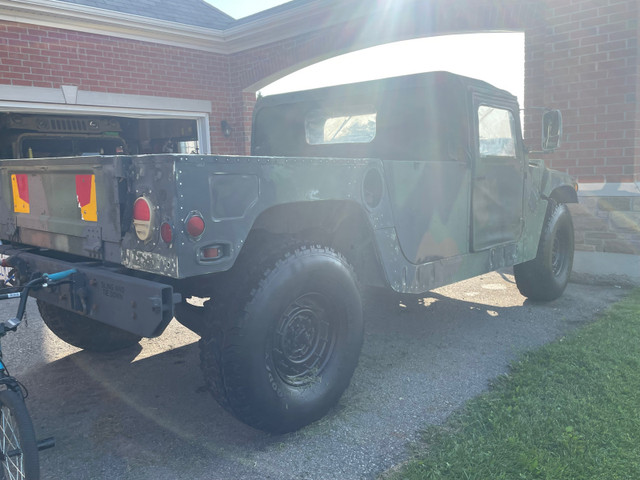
{"x": 24, "y": 446}
{"x": 12, "y": 324}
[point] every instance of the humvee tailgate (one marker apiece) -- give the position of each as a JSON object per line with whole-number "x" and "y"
{"x": 65, "y": 204}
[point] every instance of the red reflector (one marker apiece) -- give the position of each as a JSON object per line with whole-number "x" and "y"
{"x": 195, "y": 226}
{"x": 166, "y": 232}
{"x": 211, "y": 252}
{"x": 141, "y": 210}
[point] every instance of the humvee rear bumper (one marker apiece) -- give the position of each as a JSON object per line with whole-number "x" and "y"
{"x": 136, "y": 305}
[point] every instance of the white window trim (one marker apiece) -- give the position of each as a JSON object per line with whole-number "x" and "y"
{"x": 69, "y": 100}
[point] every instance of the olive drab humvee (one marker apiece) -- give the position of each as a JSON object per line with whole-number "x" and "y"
{"x": 408, "y": 183}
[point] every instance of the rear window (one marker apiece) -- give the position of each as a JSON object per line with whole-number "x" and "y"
{"x": 356, "y": 125}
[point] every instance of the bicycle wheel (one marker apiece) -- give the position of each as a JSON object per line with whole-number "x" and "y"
{"x": 18, "y": 446}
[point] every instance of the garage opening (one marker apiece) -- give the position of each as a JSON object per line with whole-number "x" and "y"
{"x": 35, "y": 135}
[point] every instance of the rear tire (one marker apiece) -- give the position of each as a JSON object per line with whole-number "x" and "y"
{"x": 545, "y": 277}
{"x": 18, "y": 446}
{"x": 281, "y": 350}
{"x": 84, "y": 332}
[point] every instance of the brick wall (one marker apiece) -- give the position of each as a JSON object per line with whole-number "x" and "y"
{"x": 48, "y": 57}
{"x": 583, "y": 59}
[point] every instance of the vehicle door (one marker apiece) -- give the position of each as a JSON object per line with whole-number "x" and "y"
{"x": 498, "y": 174}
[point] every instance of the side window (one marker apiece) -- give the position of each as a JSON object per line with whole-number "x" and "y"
{"x": 496, "y": 128}
{"x": 356, "y": 125}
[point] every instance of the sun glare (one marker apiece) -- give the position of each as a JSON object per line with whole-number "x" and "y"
{"x": 497, "y": 58}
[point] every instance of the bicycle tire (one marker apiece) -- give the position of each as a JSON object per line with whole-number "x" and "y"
{"x": 18, "y": 445}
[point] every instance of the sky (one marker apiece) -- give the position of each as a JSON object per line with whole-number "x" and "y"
{"x": 242, "y": 8}
{"x": 497, "y": 58}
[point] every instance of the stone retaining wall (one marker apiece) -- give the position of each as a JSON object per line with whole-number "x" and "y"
{"x": 608, "y": 224}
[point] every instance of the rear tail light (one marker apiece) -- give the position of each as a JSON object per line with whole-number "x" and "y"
{"x": 143, "y": 218}
{"x": 166, "y": 232}
{"x": 194, "y": 225}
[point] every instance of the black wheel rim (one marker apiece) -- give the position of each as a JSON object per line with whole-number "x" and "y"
{"x": 304, "y": 340}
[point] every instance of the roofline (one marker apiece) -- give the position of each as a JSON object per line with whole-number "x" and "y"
{"x": 250, "y": 32}
{"x": 387, "y": 83}
{"x": 286, "y": 21}
{"x": 69, "y": 16}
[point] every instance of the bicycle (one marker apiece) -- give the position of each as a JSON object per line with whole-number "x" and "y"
{"x": 19, "y": 458}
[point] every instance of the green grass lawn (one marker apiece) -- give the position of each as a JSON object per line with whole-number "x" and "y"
{"x": 570, "y": 410}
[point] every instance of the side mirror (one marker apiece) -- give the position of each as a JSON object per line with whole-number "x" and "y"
{"x": 551, "y": 130}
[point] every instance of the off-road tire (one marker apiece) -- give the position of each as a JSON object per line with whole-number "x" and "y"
{"x": 545, "y": 277}
{"x": 285, "y": 340}
{"x": 84, "y": 332}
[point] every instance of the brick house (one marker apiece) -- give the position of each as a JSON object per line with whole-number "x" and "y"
{"x": 184, "y": 79}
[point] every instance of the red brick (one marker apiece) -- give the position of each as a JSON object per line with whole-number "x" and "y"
{"x": 611, "y": 46}
{"x": 621, "y": 143}
{"x": 580, "y": 171}
{"x": 593, "y": 40}
{"x": 616, "y": 7}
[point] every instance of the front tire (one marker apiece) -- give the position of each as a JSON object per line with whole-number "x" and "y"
{"x": 84, "y": 332}
{"x": 18, "y": 446}
{"x": 545, "y": 277}
{"x": 287, "y": 343}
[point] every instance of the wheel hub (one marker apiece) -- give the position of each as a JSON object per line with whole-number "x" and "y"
{"x": 303, "y": 341}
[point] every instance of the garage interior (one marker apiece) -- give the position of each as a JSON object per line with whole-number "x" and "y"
{"x": 38, "y": 135}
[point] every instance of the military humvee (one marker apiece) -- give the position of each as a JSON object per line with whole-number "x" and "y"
{"x": 408, "y": 183}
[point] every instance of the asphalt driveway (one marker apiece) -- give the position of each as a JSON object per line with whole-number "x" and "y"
{"x": 143, "y": 413}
